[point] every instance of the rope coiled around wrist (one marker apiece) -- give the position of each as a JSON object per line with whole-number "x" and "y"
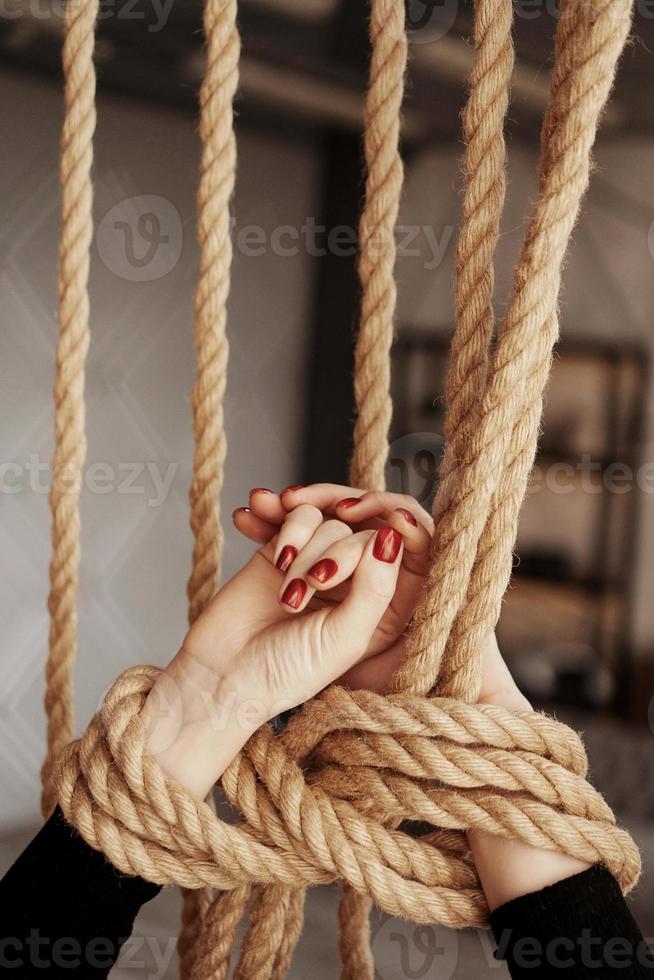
{"x": 315, "y": 800}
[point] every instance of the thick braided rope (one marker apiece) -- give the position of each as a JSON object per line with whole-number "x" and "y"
{"x": 589, "y": 41}
{"x": 215, "y": 189}
{"x": 70, "y": 438}
{"x": 456, "y": 765}
{"x": 563, "y": 173}
{"x": 377, "y": 241}
{"x": 372, "y": 364}
{"x": 484, "y": 173}
{"x": 217, "y": 176}
{"x": 484, "y": 183}
{"x": 372, "y": 374}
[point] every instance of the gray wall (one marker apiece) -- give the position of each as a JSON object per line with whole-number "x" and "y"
{"x": 136, "y": 539}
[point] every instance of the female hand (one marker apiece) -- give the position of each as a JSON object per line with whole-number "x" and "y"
{"x": 271, "y": 639}
{"x": 507, "y": 868}
{"x": 284, "y": 523}
{"x": 265, "y": 643}
{"x": 269, "y": 518}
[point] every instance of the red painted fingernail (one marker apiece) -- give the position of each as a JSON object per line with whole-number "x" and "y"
{"x": 294, "y": 593}
{"x": 287, "y": 556}
{"x": 407, "y": 515}
{"x": 349, "y": 502}
{"x": 297, "y": 486}
{"x": 387, "y": 544}
{"x": 323, "y": 570}
{"x": 241, "y": 510}
{"x": 260, "y": 490}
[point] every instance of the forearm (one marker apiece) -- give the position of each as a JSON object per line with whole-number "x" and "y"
{"x": 548, "y": 909}
{"x": 508, "y": 868}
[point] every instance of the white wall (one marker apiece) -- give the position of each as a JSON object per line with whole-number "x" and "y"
{"x": 136, "y": 551}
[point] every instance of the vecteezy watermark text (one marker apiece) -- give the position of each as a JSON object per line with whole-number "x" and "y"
{"x": 148, "y": 479}
{"x": 414, "y": 462}
{"x": 154, "y": 13}
{"x": 141, "y": 239}
{"x": 151, "y": 956}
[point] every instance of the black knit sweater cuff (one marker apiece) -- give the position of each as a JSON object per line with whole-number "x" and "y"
{"x": 579, "y": 928}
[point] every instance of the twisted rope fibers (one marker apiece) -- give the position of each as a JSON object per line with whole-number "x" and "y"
{"x": 322, "y": 801}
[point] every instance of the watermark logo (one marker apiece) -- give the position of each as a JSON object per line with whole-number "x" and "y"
{"x": 412, "y": 467}
{"x": 429, "y": 20}
{"x": 407, "y": 951}
{"x": 140, "y": 238}
{"x": 149, "y": 479}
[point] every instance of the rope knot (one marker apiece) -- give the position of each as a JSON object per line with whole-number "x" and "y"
{"x": 322, "y": 800}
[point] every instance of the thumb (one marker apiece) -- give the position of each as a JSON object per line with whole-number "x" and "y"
{"x": 349, "y": 627}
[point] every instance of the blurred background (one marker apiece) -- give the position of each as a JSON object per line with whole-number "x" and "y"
{"x": 578, "y": 622}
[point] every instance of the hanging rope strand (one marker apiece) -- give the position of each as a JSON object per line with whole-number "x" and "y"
{"x": 566, "y": 152}
{"x": 372, "y": 371}
{"x": 215, "y": 190}
{"x": 484, "y": 173}
{"x": 377, "y": 242}
{"x": 588, "y": 45}
{"x": 217, "y": 178}
{"x": 70, "y": 437}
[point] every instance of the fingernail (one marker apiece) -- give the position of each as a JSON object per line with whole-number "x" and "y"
{"x": 294, "y": 593}
{"x": 297, "y": 486}
{"x": 407, "y": 515}
{"x": 323, "y": 570}
{"x": 349, "y": 502}
{"x": 241, "y": 510}
{"x": 260, "y": 490}
{"x": 387, "y": 544}
{"x": 287, "y": 556}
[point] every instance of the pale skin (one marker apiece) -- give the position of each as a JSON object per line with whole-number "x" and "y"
{"x": 353, "y": 566}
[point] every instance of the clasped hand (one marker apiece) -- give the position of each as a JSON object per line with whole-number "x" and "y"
{"x": 326, "y": 597}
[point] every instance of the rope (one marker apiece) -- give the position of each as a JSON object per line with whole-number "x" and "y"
{"x": 70, "y": 437}
{"x": 502, "y": 442}
{"x": 377, "y": 242}
{"x": 455, "y": 765}
{"x": 217, "y": 175}
{"x": 323, "y": 801}
{"x": 484, "y": 173}
{"x": 372, "y": 365}
{"x": 384, "y": 174}
{"x": 215, "y": 189}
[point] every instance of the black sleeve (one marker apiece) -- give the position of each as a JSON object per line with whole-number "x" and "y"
{"x": 578, "y": 929}
{"x": 65, "y": 910}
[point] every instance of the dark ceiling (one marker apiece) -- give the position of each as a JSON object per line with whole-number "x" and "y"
{"x": 305, "y": 60}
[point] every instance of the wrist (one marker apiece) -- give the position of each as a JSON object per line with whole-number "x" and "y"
{"x": 197, "y": 720}
{"x": 508, "y": 868}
